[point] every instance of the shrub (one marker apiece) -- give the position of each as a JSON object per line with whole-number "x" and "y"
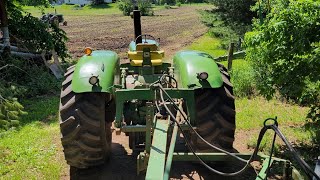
{"x": 167, "y": 6}
{"x": 10, "y": 113}
{"x": 126, "y": 6}
{"x": 285, "y": 51}
{"x": 178, "y": 4}
{"x": 145, "y": 8}
{"x": 168, "y": 2}
{"x": 23, "y": 78}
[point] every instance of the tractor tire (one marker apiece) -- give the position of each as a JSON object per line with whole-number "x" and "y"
{"x": 215, "y": 116}
{"x": 85, "y": 124}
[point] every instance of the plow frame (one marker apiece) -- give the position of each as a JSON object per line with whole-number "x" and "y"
{"x": 156, "y": 159}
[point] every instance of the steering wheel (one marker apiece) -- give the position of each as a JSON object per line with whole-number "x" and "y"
{"x": 144, "y": 36}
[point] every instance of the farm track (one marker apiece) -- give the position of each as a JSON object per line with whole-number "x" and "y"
{"x": 176, "y": 29}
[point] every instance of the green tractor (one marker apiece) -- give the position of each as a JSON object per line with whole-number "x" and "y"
{"x": 151, "y": 101}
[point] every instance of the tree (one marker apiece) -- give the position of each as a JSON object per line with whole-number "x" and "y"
{"x": 4, "y": 22}
{"x": 285, "y": 52}
{"x": 35, "y": 2}
{"x": 4, "y": 14}
{"x": 235, "y": 10}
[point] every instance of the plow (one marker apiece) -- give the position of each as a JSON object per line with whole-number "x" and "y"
{"x": 155, "y": 103}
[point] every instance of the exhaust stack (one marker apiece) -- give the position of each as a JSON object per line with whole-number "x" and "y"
{"x": 137, "y": 25}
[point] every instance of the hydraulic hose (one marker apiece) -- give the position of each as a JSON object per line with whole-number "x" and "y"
{"x": 306, "y": 168}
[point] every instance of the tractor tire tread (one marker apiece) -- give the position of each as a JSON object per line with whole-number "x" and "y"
{"x": 215, "y": 116}
{"x": 85, "y": 137}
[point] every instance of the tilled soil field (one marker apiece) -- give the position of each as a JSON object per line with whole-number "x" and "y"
{"x": 176, "y": 29}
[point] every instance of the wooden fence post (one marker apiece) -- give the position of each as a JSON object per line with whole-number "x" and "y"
{"x": 230, "y": 54}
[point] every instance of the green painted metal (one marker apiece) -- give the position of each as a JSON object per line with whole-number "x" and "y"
{"x": 123, "y": 95}
{"x": 104, "y": 65}
{"x": 296, "y": 174}
{"x": 158, "y": 151}
{"x": 142, "y": 128}
{"x": 262, "y": 174}
{"x": 134, "y": 128}
{"x": 188, "y": 63}
{"x": 149, "y": 125}
{"x": 170, "y": 152}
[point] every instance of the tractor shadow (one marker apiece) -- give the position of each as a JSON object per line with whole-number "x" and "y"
{"x": 123, "y": 162}
{"x": 121, "y": 166}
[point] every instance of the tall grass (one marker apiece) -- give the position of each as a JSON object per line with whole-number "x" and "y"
{"x": 242, "y": 78}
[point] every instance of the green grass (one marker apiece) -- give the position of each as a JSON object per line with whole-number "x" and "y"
{"x": 74, "y": 10}
{"x": 209, "y": 45}
{"x": 252, "y": 112}
{"x": 33, "y": 151}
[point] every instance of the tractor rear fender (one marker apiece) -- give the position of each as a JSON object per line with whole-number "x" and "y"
{"x": 102, "y": 64}
{"x": 188, "y": 64}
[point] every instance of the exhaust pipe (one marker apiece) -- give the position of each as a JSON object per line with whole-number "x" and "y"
{"x": 137, "y": 25}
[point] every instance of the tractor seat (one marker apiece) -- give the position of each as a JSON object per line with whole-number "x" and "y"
{"x": 136, "y": 57}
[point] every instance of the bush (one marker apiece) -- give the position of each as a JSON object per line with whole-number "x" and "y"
{"x": 10, "y": 113}
{"x": 145, "y": 8}
{"x": 168, "y": 2}
{"x": 126, "y": 6}
{"x": 285, "y": 51}
{"x": 23, "y": 78}
{"x": 178, "y": 4}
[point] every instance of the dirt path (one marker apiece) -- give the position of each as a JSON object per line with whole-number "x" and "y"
{"x": 176, "y": 29}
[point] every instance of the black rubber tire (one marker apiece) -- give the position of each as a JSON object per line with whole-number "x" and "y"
{"x": 85, "y": 124}
{"x": 215, "y": 116}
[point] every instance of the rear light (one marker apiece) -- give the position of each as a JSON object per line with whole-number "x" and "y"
{"x": 202, "y": 75}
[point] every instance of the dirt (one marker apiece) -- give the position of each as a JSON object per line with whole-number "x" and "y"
{"x": 176, "y": 29}
{"x": 122, "y": 166}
